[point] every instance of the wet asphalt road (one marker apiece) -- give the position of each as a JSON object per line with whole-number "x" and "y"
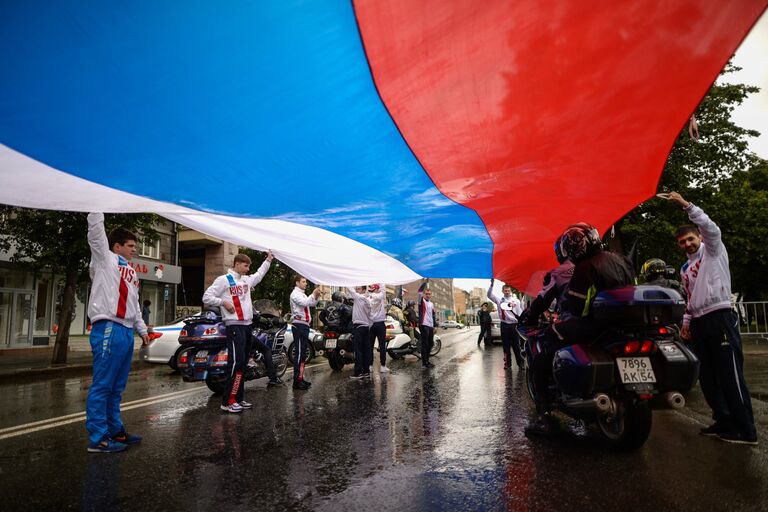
{"x": 445, "y": 439}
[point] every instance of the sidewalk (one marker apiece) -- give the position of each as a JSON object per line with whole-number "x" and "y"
{"x": 36, "y": 362}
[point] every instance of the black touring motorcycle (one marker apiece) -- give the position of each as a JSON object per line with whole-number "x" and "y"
{"x": 636, "y": 365}
{"x": 203, "y": 353}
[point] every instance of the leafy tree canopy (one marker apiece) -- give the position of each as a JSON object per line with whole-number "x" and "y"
{"x": 719, "y": 174}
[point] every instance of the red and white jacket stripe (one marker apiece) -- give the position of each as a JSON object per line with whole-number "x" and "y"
{"x": 239, "y": 295}
{"x": 115, "y": 286}
{"x": 300, "y": 305}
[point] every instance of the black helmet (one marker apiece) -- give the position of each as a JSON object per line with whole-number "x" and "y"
{"x": 580, "y": 241}
{"x": 559, "y": 252}
{"x": 337, "y": 297}
{"x": 652, "y": 269}
{"x": 397, "y": 302}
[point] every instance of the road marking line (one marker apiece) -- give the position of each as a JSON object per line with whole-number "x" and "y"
{"x": 36, "y": 426}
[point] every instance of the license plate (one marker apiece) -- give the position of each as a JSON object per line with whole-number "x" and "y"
{"x": 201, "y": 356}
{"x": 330, "y": 344}
{"x": 635, "y": 370}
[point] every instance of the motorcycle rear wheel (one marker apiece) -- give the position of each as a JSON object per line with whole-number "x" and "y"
{"x": 437, "y": 344}
{"x": 216, "y": 383}
{"x": 336, "y": 361}
{"x": 630, "y": 427}
{"x": 394, "y": 355}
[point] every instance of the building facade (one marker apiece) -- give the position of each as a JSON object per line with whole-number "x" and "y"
{"x": 30, "y": 303}
{"x": 462, "y": 302}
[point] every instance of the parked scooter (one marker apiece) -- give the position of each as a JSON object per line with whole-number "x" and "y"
{"x": 399, "y": 342}
{"x": 636, "y": 365}
{"x": 203, "y": 356}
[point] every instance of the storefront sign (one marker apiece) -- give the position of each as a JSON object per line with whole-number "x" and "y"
{"x": 149, "y": 270}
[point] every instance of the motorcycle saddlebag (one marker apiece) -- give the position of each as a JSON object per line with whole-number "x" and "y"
{"x": 675, "y": 366}
{"x": 639, "y": 306}
{"x": 582, "y": 371}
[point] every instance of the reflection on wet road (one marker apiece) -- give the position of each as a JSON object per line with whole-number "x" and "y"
{"x": 443, "y": 439}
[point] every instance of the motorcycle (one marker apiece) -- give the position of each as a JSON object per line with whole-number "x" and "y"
{"x": 339, "y": 349}
{"x": 636, "y": 365}
{"x": 399, "y": 342}
{"x": 203, "y": 353}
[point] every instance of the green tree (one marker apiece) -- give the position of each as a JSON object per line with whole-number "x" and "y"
{"x": 277, "y": 285}
{"x": 57, "y": 242}
{"x": 708, "y": 172}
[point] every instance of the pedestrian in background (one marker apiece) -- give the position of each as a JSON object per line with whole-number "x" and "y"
{"x": 113, "y": 307}
{"x": 145, "y": 311}
{"x": 713, "y": 327}
{"x": 300, "y": 305}
{"x": 484, "y": 317}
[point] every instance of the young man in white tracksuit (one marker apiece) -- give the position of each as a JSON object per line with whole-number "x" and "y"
{"x": 509, "y": 309}
{"x": 378, "y": 298}
{"x": 427, "y": 321}
{"x": 713, "y": 327}
{"x": 232, "y": 293}
{"x": 300, "y": 305}
{"x": 361, "y": 336}
{"x": 113, "y": 308}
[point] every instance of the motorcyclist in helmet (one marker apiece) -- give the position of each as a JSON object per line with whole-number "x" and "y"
{"x": 595, "y": 270}
{"x": 396, "y": 310}
{"x": 555, "y": 287}
{"x": 337, "y": 313}
{"x": 655, "y": 271}
{"x": 411, "y": 320}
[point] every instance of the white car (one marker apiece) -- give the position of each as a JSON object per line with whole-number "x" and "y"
{"x": 315, "y": 339}
{"x": 452, "y": 324}
{"x": 495, "y": 326}
{"x": 163, "y": 343}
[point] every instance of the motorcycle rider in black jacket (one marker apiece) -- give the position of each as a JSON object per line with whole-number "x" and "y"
{"x": 595, "y": 270}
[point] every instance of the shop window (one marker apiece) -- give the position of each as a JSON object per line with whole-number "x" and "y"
{"x": 150, "y": 250}
{"x": 13, "y": 278}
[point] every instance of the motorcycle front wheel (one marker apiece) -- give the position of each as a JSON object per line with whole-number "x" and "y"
{"x": 280, "y": 361}
{"x": 630, "y": 427}
{"x": 216, "y": 383}
{"x": 437, "y": 344}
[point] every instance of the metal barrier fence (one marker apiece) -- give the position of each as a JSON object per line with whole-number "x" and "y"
{"x": 753, "y": 317}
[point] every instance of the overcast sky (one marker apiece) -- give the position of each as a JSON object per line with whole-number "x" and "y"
{"x": 752, "y": 57}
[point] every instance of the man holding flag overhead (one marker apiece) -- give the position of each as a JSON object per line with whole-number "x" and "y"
{"x": 232, "y": 293}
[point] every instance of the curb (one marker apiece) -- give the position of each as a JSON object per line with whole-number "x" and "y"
{"x": 55, "y": 371}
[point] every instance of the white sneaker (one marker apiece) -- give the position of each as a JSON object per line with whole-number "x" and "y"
{"x": 233, "y": 408}
{"x": 246, "y": 405}
{"x": 384, "y": 369}
{"x": 370, "y": 369}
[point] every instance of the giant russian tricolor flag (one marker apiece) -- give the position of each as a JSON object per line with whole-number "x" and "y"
{"x": 362, "y": 141}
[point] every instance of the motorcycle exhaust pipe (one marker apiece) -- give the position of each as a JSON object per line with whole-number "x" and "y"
{"x": 673, "y": 400}
{"x": 601, "y": 403}
{"x": 320, "y": 352}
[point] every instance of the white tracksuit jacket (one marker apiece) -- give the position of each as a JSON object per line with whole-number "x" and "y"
{"x": 115, "y": 285}
{"x": 300, "y": 305}
{"x": 706, "y": 275}
{"x": 239, "y": 294}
